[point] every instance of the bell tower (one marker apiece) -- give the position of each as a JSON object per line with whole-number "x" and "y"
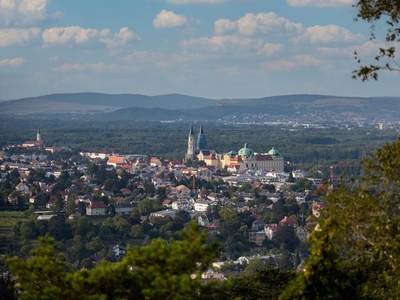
{"x": 201, "y": 139}
{"x": 190, "y": 149}
{"x": 38, "y": 135}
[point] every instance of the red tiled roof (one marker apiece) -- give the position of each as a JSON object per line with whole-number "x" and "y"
{"x": 262, "y": 157}
{"x": 125, "y": 191}
{"x": 237, "y": 158}
{"x": 288, "y": 220}
{"x": 97, "y": 205}
{"x": 116, "y": 159}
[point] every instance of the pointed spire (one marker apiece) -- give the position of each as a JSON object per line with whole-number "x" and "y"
{"x": 201, "y": 129}
{"x": 191, "y": 131}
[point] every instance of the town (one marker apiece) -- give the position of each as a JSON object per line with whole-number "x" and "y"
{"x": 97, "y": 203}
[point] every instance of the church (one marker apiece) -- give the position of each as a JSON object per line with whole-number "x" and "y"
{"x": 34, "y": 144}
{"x": 244, "y": 159}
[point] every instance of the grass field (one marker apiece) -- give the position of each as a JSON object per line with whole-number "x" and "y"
{"x": 7, "y": 220}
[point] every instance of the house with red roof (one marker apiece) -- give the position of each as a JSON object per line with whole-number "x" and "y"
{"x": 116, "y": 161}
{"x": 96, "y": 209}
{"x": 288, "y": 221}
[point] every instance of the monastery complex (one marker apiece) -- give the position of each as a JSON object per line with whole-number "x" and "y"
{"x": 240, "y": 161}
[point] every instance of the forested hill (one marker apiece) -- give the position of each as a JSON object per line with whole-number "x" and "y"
{"x": 88, "y": 102}
{"x": 175, "y": 106}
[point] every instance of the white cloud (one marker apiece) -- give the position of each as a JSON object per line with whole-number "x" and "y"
{"x": 223, "y": 43}
{"x": 18, "y": 36}
{"x": 321, "y": 3}
{"x": 232, "y": 44}
{"x": 367, "y": 48}
{"x": 295, "y": 62}
{"x": 169, "y": 19}
{"x": 99, "y": 67}
{"x": 71, "y": 35}
{"x": 145, "y": 59}
{"x": 196, "y": 1}
{"x": 262, "y": 23}
{"x": 120, "y": 39}
{"x": 307, "y": 60}
{"x": 25, "y": 12}
{"x": 327, "y": 34}
{"x": 279, "y": 65}
{"x": 54, "y": 58}
{"x": 14, "y": 62}
{"x": 269, "y": 49}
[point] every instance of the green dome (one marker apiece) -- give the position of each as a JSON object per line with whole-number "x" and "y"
{"x": 232, "y": 153}
{"x": 274, "y": 152}
{"x": 246, "y": 151}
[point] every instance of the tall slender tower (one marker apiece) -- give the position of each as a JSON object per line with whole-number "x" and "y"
{"x": 201, "y": 139}
{"x": 38, "y": 135}
{"x": 190, "y": 149}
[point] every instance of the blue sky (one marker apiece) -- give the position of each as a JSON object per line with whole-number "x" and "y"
{"x": 210, "y": 48}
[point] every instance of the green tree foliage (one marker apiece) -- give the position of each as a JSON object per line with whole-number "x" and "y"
{"x": 377, "y": 12}
{"x": 290, "y": 179}
{"x": 358, "y": 235}
{"x": 285, "y": 261}
{"x": 58, "y": 228}
{"x": 266, "y": 284}
{"x": 255, "y": 265}
{"x": 301, "y": 185}
{"x": 286, "y": 237}
{"x": 7, "y": 287}
{"x": 146, "y": 206}
{"x": 160, "y": 270}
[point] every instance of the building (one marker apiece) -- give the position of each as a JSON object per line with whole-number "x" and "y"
{"x": 119, "y": 251}
{"x": 96, "y": 209}
{"x": 95, "y": 154}
{"x": 241, "y": 161}
{"x": 202, "y": 206}
{"x": 247, "y": 159}
{"x": 190, "y": 150}
{"x": 116, "y": 161}
{"x": 256, "y": 237}
{"x": 34, "y": 144}
{"x": 124, "y": 208}
{"x": 201, "y": 140}
{"x": 270, "y": 230}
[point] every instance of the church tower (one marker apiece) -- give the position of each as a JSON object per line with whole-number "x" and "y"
{"x": 190, "y": 149}
{"x": 201, "y": 140}
{"x": 38, "y": 135}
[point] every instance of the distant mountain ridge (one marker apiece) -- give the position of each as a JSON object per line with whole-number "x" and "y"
{"x": 100, "y": 106}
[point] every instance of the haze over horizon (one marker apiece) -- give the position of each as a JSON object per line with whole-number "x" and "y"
{"x": 205, "y": 48}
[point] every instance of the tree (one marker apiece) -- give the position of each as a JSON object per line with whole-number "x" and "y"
{"x": 358, "y": 235}
{"x": 266, "y": 284}
{"x": 7, "y": 287}
{"x": 388, "y": 12}
{"x": 285, "y": 261}
{"x": 160, "y": 270}
{"x": 255, "y": 265}
{"x": 57, "y": 227}
{"x": 70, "y": 207}
{"x": 290, "y": 178}
{"x": 181, "y": 218}
{"x": 301, "y": 185}
{"x": 146, "y": 206}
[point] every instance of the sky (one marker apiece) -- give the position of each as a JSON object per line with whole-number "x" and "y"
{"x": 208, "y": 48}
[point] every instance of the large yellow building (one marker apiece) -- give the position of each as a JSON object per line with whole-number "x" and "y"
{"x": 244, "y": 159}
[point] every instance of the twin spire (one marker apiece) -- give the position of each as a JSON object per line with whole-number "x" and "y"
{"x": 201, "y": 138}
{"x": 191, "y": 130}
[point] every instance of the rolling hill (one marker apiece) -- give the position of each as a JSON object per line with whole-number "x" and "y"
{"x": 97, "y": 106}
